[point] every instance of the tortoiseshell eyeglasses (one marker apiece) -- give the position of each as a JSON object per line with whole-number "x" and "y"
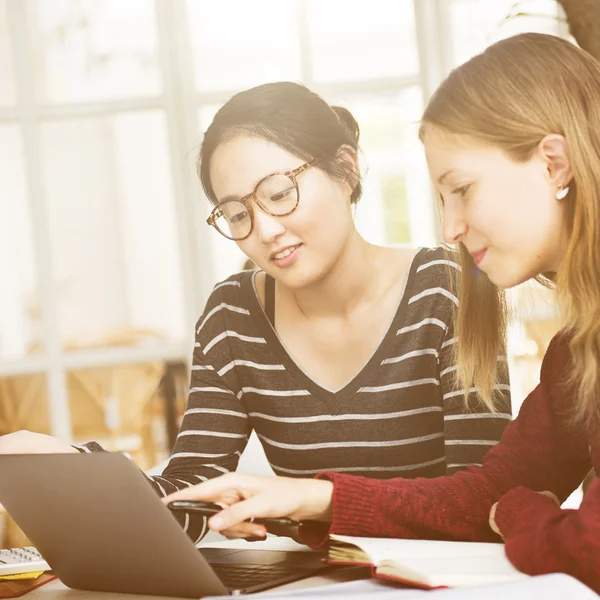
{"x": 275, "y": 194}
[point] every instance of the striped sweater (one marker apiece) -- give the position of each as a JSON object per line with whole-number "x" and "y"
{"x": 401, "y": 416}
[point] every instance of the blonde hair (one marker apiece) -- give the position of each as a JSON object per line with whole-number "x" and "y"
{"x": 511, "y": 96}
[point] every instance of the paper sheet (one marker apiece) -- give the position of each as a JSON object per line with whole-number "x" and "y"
{"x": 20, "y": 576}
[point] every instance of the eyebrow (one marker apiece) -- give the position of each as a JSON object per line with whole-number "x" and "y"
{"x": 239, "y": 198}
{"x": 440, "y": 179}
{"x": 235, "y": 197}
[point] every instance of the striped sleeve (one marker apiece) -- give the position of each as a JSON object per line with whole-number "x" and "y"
{"x": 213, "y": 434}
{"x": 470, "y": 429}
{"x": 214, "y": 430}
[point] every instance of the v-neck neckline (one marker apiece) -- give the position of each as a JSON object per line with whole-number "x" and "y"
{"x": 333, "y": 399}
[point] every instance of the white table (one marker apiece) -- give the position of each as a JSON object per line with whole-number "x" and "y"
{"x": 351, "y": 585}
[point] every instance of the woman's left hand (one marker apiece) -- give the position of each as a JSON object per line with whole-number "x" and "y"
{"x": 492, "y": 520}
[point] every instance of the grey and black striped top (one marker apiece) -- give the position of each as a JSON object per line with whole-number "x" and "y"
{"x": 401, "y": 416}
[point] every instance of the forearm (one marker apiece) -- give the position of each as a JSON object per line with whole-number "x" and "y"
{"x": 543, "y": 538}
{"x": 454, "y": 507}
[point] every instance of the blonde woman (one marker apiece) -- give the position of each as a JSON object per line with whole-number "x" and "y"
{"x": 512, "y": 139}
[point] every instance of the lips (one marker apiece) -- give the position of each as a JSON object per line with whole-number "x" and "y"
{"x": 478, "y": 255}
{"x": 283, "y": 252}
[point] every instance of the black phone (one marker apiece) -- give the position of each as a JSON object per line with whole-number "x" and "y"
{"x": 208, "y": 509}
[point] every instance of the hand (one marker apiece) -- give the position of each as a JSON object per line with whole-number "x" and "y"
{"x": 27, "y": 442}
{"x": 492, "y": 520}
{"x": 245, "y": 496}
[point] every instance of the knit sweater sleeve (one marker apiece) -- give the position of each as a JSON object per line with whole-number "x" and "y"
{"x": 539, "y": 450}
{"x": 543, "y": 538}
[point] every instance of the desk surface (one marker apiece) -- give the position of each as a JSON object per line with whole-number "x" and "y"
{"x": 55, "y": 590}
{"x": 551, "y": 587}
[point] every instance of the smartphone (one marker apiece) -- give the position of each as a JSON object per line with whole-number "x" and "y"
{"x": 208, "y": 509}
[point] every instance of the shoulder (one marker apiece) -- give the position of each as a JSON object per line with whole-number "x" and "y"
{"x": 227, "y": 303}
{"x": 557, "y": 362}
{"x": 432, "y": 286}
{"x": 228, "y": 290}
{"x": 441, "y": 262}
{"x": 436, "y": 267}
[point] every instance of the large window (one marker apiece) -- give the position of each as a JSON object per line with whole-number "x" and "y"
{"x": 105, "y": 258}
{"x": 93, "y": 258}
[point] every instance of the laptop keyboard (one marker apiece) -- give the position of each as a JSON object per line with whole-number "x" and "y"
{"x": 239, "y": 577}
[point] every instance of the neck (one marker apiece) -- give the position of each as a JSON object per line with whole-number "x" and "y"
{"x": 350, "y": 283}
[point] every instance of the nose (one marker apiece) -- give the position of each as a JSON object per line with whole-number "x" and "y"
{"x": 267, "y": 227}
{"x": 454, "y": 226}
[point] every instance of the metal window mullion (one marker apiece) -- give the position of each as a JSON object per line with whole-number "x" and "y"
{"x": 60, "y": 419}
{"x": 79, "y": 110}
{"x": 175, "y": 54}
{"x": 384, "y": 85}
{"x": 359, "y": 86}
{"x": 427, "y": 14}
{"x": 23, "y": 366}
{"x": 431, "y": 63}
{"x": 106, "y": 357}
{"x": 303, "y": 32}
{"x": 444, "y": 50}
{"x": 562, "y": 26}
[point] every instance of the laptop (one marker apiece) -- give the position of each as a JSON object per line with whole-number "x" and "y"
{"x": 100, "y": 526}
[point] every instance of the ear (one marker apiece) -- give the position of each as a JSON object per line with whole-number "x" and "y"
{"x": 554, "y": 152}
{"x": 347, "y": 156}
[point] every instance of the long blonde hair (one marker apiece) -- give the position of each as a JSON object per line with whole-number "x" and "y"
{"x": 511, "y": 96}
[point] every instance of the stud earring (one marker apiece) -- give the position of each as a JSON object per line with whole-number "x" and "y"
{"x": 562, "y": 191}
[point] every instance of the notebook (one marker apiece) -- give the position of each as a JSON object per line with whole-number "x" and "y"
{"x": 13, "y": 588}
{"x": 424, "y": 563}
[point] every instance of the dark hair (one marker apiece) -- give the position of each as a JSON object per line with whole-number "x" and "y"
{"x": 294, "y": 118}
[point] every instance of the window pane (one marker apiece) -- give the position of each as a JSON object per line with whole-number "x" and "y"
{"x": 476, "y": 24}
{"x": 122, "y": 408}
{"x": 7, "y": 85}
{"x": 90, "y": 50}
{"x": 397, "y": 205}
{"x": 20, "y": 311}
{"x": 239, "y": 44}
{"x": 354, "y": 39}
{"x": 24, "y": 404}
{"x": 112, "y": 225}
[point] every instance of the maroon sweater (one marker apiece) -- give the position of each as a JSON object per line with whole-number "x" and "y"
{"x": 540, "y": 450}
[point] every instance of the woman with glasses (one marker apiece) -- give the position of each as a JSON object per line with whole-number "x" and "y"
{"x": 338, "y": 353}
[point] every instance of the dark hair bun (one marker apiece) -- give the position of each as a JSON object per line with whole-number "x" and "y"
{"x": 348, "y": 121}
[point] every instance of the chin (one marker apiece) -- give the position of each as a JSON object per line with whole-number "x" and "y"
{"x": 507, "y": 279}
{"x": 306, "y": 277}
{"x": 297, "y": 280}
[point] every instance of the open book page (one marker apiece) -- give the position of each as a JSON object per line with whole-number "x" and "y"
{"x": 436, "y": 563}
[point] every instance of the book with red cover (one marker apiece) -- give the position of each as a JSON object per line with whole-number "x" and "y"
{"x": 13, "y": 588}
{"x": 425, "y": 564}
